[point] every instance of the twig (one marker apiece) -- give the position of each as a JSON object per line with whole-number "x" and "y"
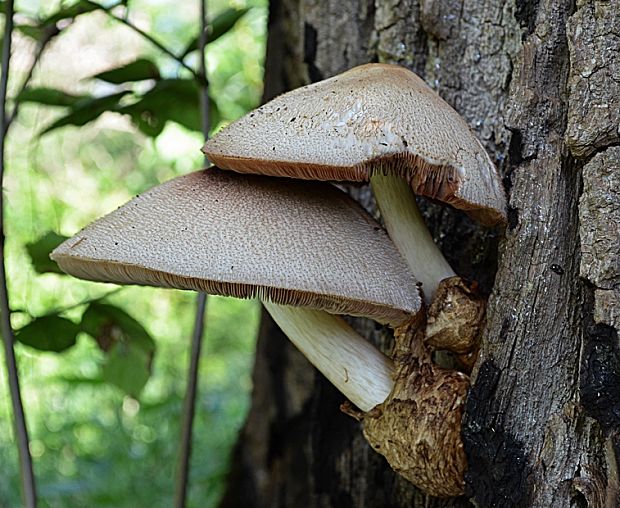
{"x": 51, "y": 32}
{"x": 189, "y": 406}
{"x": 62, "y": 310}
{"x": 125, "y": 21}
{"x": 19, "y": 418}
{"x": 202, "y": 71}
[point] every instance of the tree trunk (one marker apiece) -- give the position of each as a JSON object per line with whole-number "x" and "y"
{"x": 538, "y": 82}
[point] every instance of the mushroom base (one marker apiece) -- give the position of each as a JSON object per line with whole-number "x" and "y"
{"x": 418, "y": 427}
{"x": 455, "y": 318}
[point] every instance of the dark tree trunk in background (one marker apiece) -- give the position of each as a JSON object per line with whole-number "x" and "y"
{"x": 539, "y": 82}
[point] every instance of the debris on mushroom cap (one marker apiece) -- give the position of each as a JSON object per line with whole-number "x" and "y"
{"x": 291, "y": 242}
{"x": 372, "y": 118}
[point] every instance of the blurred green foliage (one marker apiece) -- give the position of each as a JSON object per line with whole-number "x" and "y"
{"x": 103, "y": 369}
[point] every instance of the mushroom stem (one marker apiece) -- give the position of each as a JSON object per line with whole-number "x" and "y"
{"x": 409, "y": 233}
{"x": 359, "y": 370}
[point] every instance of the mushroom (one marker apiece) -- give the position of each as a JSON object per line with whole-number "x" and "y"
{"x": 291, "y": 243}
{"x": 380, "y": 123}
{"x": 305, "y": 244}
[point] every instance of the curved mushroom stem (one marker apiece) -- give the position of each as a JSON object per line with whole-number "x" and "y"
{"x": 456, "y": 311}
{"x": 409, "y": 233}
{"x": 359, "y": 370}
{"x": 411, "y": 410}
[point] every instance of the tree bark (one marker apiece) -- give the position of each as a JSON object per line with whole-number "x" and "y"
{"x": 537, "y": 80}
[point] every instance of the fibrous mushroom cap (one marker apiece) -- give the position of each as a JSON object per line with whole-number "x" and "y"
{"x": 292, "y": 242}
{"x": 372, "y": 118}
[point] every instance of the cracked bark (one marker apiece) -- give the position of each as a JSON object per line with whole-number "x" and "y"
{"x": 538, "y": 82}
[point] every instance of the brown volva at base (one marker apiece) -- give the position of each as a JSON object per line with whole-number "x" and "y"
{"x": 455, "y": 317}
{"x": 418, "y": 427}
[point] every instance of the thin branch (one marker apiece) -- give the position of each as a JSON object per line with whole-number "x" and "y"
{"x": 152, "y": 40}
{"x": 67, "y": 308}
{"x": 202, "y": 70}
{"x": 189, "y": 407}
{"x": 19, "y": 418}
{"x": 51, "y": 32}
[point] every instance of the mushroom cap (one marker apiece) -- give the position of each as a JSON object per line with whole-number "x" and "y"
{"x": 372, "y": 118}
{"x": 288, "y": 241}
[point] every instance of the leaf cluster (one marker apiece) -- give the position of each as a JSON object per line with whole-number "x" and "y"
{"x": 163, "y": 100}
{"x": 128, "y": 347}
{"x": 141, "y": 91}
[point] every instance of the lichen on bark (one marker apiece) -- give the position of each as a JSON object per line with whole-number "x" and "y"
{"x": 599, "y": 220}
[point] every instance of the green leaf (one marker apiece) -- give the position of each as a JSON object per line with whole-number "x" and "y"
{"x": 39, "y": 252}
{"x": 214, "y": 113}
{"x": 146, "y": 120}
{"x": 87, "y": 110}
{"x": 127, "y": 367}
{"x": 137, "y": 70}
{"x": 224, "y": 22}
{"x": 169, "y": 100}
{"x": 220, "y": 25}
{"x": 49, "y": 333}
{"x": 128, "y": 345}
{"x": 79, "y": 380}
{"x": 72, "y": 11}
{"x": 50, "y": 97}
{"x": 33, "y": 31}
{"x": 108, "y": 324}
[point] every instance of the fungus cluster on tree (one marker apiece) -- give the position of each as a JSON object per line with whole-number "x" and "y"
{"x": 309, "y": 252}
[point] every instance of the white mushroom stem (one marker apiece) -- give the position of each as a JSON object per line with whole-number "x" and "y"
{"x": 409, "y": 233}
{"x": 359, "y": 370}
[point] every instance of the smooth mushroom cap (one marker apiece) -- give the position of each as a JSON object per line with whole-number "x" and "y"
{"x": 372, "y": 118}
{"x": 291, "y": 242}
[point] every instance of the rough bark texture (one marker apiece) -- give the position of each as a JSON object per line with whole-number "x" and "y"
{"x": 538, "y": 81}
